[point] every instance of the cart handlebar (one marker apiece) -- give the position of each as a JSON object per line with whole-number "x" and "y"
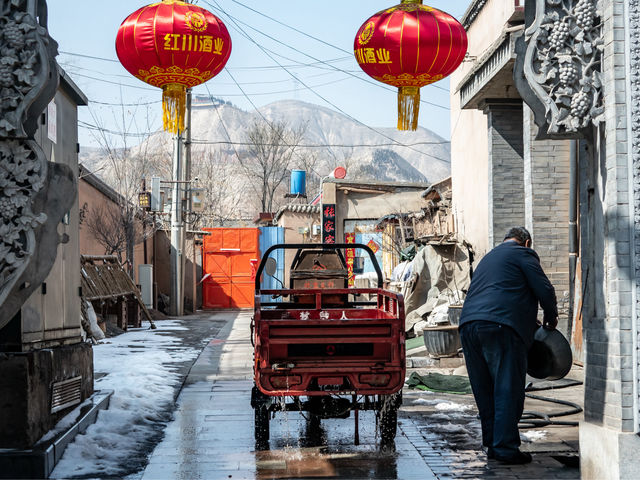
{"x": 318, "y": 246}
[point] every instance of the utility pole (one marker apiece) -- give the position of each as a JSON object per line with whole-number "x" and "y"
{"x": 188, "y": 191}
{"x": 177, "y": 230}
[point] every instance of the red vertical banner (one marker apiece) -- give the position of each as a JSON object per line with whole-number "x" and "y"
{"x": 329, "y": 223}
{"x": 351, "y": 255}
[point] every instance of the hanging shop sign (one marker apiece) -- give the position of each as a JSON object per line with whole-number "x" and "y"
{"x": 329, "y": 223}
{"x": 410, "y": 46}
{"x": 173, "y": 45}
{"x": 350, "y": 254}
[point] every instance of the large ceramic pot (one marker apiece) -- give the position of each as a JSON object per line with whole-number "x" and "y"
{"x": 550, "y": 356}
{"x": 441, "y": 341}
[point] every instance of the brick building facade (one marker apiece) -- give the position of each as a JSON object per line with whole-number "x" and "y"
{"x": 583, "y": 125}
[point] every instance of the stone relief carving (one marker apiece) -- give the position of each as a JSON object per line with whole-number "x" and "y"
{"x": 22, "y": 174}
{"x": 560, "y": 60}
{"x": 29, "y": 210}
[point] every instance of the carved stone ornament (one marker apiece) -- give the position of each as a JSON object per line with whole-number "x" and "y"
{"x": 29, "y": 212}
{"x": 558, "y": 66}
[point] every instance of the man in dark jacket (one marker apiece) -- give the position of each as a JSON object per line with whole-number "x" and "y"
{"x": 497, "y": 326}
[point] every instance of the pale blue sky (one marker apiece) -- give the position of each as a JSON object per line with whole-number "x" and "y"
{"x": 89, "y": 28}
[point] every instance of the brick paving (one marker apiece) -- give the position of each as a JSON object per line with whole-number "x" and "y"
{"x": 211, "y": 436}
{"x": 450, "y": 442}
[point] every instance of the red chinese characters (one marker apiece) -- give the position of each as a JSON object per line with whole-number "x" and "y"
{"x": 173, "y": 45}
{"x": 329, "y": 224}
{"x": 410, "y": 46}
{"x": 351, "y": 256}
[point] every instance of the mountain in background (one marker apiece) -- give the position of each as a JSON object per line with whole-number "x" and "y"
{"x": 368, "y": 153}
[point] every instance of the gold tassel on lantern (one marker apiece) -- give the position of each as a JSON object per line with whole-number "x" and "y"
{"x": 174, "y": 101}
{"x": 408, "y": 108}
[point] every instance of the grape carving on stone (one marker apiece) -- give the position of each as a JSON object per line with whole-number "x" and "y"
{"x": 28, "y": 222}
{"x": 18, "y": 61}
{"x": 563, "y": 63}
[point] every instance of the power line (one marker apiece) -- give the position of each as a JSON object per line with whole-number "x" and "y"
{"x": 266, "y": 67}
{"x": 90, "y": 56}
{"x": 264, "y": 49}
{"x": 313, "y": 91}
{"x": 246, "y": 144}
{"x": 89, "y": 126}
{"x": 128, "y": 76}
{"x": 328, "y": 145}
{"x": 279, "y": 92}
{"x": 306, "y": 34}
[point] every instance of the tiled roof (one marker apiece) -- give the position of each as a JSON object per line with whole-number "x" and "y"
{"x": 296, "y": 208}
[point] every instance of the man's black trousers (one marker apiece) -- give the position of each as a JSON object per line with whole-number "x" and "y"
{"x": 496, "y": 359}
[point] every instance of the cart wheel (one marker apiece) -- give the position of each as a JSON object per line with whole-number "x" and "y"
{"x": 262, "y": 428}
{"x": 314, "y": 422}
{"x": 388, "y": 423}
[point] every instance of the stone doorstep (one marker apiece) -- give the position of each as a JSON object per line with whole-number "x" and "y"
{"x": 40, "y": 461}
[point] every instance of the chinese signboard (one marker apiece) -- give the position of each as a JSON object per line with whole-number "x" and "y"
{"x": 329, "y": 223}
{"x": 351, "y": 256}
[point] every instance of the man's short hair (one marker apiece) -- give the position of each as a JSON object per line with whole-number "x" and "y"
{"x": 521, "y": 234}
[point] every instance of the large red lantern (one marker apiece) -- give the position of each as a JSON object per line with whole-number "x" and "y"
{"x": 410, "y": 46}
{"x": 173, "y": 45}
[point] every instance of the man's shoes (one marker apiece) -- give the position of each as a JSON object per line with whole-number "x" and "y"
{"x": 515, "y": 458}
{"x": 490, "y": 453}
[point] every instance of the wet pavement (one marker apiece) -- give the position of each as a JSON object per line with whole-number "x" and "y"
{"x": 211, "y": 436}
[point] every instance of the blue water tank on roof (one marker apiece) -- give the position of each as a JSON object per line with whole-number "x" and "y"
{"x": 298, "y": 182}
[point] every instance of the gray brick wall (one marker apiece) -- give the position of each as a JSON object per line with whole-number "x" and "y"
{"x": 610, "y": 333}
{"x": 631, "y": 19}
{"x": 506, "y": 170}
{"x": 546, "y": 186}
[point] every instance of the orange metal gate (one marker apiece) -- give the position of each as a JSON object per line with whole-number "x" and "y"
{"x": 229, "y": 256}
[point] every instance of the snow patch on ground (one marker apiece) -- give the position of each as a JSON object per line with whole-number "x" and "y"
{"x": 452, "y": 407}
{"x": 140, "y": 369}
{"x": 426, "y": 401}
{"x": 533, "y": 435}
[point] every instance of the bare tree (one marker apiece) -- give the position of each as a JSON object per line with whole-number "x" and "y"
{"x": 109, "y": 227}
{"x": 221, "y": 191}
{"x": 272, "y": 146}
{"x": 123, "y": 168}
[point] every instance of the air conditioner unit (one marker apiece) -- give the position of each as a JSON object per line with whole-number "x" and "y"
{"x": 317, "y": 230}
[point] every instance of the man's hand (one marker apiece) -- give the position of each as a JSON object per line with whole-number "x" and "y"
{"x": 550, "y": 323}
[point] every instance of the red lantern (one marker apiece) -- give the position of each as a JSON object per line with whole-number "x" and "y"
{"x": 173, "y": 45}
{"x": 410, "y": 46}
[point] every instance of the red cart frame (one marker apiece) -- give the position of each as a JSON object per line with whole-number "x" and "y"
{"x": 328, "y": 359}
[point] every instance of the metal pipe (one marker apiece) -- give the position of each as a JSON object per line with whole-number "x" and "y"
{"x": 573, "y": 227}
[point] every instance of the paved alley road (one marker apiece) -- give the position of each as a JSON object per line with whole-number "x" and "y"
{"x": 211, "y": 436}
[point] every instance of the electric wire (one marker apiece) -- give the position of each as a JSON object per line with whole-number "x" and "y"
{"x": 224, "y": 127}
{"x": 328, "y": 145}
{"x": 128, "y": 76}
{"x": 265, "y": 67}
{"x": 90, "y": 126}
{"x": 307, "y": 35}
{"x": 311, "y": 90}
{"x": 278, "y": 92}
{"x": 264, "y": 49}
